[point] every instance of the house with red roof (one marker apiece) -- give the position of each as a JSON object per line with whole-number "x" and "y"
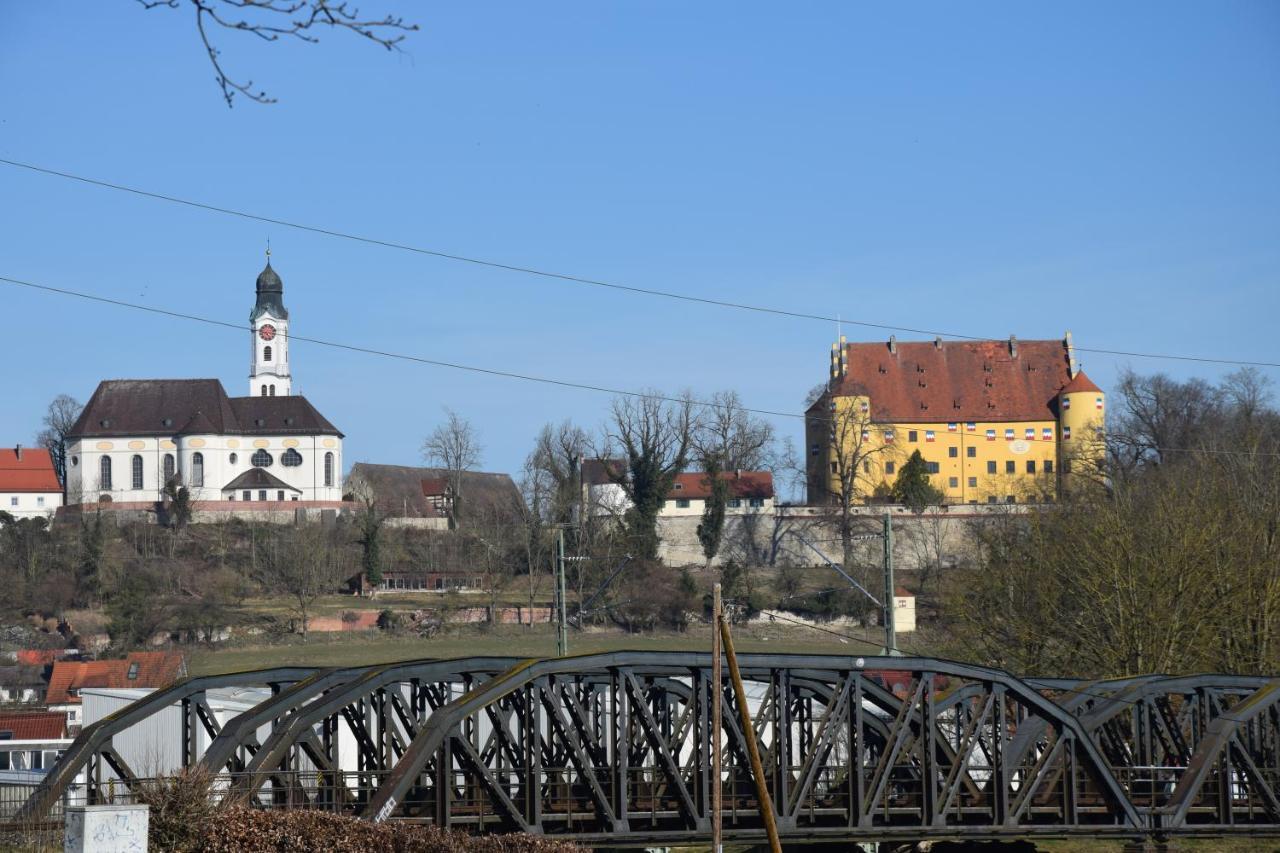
{"x": 140, "y": 669}
{"x": 31, "y": 740}
{"x": 29, "y": 486}
{"x": 749, "y": 492}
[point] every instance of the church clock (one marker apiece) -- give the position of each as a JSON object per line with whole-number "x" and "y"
{"x": 267, "y": 332}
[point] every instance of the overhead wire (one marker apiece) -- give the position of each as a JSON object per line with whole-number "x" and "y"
{"x": 453, "y": 365}
{"x": 574, "y": 279}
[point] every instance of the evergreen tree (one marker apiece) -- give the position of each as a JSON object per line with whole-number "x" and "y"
{"x": 912, "y": 489}
{"x": 711, "y": 529}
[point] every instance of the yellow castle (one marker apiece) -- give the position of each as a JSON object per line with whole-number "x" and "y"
{"x": 1004, "y": 421}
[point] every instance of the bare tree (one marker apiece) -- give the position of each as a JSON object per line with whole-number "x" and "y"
{"x": 733, "y": 435}
{"x": 61, "y": 416}
{"x": 272, "y": 20}
{"x": 654, "y": 436}
{"x": 556, "y": 460}
{"x": 454, "y": 446}
{"x": 302, "y": 564}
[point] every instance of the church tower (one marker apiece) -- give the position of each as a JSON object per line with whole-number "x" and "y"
{"x": 269, "y": 326}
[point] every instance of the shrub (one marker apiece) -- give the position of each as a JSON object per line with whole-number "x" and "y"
{"x": 182, "y": 810}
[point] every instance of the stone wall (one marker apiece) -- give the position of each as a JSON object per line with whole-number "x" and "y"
{"x": 937, "y": 537}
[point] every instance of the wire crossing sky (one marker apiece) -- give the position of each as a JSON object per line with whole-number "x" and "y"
{"x": 1108, "y": 170}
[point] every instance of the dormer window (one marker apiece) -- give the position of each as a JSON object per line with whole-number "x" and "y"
{"x": 679, "y": 486}
{"x": 133, "y": 671}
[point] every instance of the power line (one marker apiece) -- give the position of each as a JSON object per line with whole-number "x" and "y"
{"x": 575, "y": 279}
{"x": 487, "y": 371}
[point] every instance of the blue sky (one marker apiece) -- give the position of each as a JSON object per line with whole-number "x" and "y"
{"x": 983, "y": 168}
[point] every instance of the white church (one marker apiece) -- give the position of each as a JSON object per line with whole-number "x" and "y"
{"x": 137, "y": 435}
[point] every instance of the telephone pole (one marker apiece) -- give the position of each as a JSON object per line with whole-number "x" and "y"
{"x": 562, "y": 622}
{"x": 890, "y": 635}
{"x": 717, "y": 685}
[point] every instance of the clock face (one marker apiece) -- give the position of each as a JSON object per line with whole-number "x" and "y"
{"x": 267, "y": 332}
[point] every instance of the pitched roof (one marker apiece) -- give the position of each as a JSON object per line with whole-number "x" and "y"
{"x": 1080, "y": 382}
{"x": 433, "y": 487}
{"x": 153, "y": 669}
{"x": 291, "y": 415}
{"x": 32, "y": 725}
{"x": 742, "y": 484}
{"x": 32, "y": 473}
{"x": 399, "y": 489}
{"x": 948, "y": 381}
{"x": 167, "y": 407}
{"x": 601, "y": 472}
{"x": 259, "y": 478}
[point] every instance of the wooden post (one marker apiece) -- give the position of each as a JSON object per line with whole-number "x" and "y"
{"x": 749, "y": 732}
{"x": 717, "y": 682}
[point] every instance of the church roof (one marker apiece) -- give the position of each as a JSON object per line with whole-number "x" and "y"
{"x": 258, "y": 478}
{"x": 270, "y": 295}
{"x": 951, "y": 381}
{"x": 168, "y": 407}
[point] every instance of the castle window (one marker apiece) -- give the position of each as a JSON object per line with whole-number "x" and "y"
{"x": 888, "y": 467}
{"x": 991, "y": 499}
{"x": 931, "y": 467}
{"x": 135, "y": 466}
{"x": 291, "y": 458}
{"x": 104, "y": 473}
{"x": 169, "y": 470}
{"x": 814, "y": 449}
{"x": 953, "y": 452}
{"x": 197, "y": 469}
{"x": 991, "y": 467}
{"x": 1010, "y": 499}
{"x": 1048, "y": 466}
{"x": 971, "y": 452}
{"x": 1031, "y": 466}
{"x": 954, "y": 483}
{"x": 266, "y": 353}
{"x": 1011, "y": 467}
{"x": 328, "y": 469}
{"x": 833, "y": 468}
{"x": 261, "y": 459}
{"x": 973, "y": 482}
{"x": 911, "y": 435}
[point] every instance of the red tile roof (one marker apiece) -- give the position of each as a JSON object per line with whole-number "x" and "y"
{"x": 40, "y": 657}
{"x": 951, "y": 381}
{"x": 1080, "y": 382}
{"x": 33, "y": 725}
{"x": 435, "y": 487}
{"x": 154, "y": 669}
{"x": 742, "y": 484}
{"x": 32, "y": 473}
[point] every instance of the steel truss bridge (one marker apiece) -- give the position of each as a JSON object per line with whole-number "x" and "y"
{"x": 615, "y": 748}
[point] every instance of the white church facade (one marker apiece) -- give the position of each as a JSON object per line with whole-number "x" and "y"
{"x": 135, "y": 436}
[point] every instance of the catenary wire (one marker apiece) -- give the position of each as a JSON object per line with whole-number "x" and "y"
{"x": 488, "y": 371}
{"x": 575, "y": 279}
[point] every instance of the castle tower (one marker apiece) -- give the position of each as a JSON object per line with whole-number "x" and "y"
{"x": 269, "y": 324}
{"x": 1081, "y": 421}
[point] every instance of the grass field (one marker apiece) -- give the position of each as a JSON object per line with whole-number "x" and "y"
{"x": 356, "y": 649}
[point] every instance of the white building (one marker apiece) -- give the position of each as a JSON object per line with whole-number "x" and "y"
{"x": 29, "y": 488}
{"x": 750, "y": 492}
{"x": 137, "y": 435}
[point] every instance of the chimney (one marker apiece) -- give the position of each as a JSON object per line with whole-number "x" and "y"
{"x": 17, "y": 451}
{"x": 893, "y": 344}
{"x": 1013, "y": 346}
{"x": 937, "y": 342}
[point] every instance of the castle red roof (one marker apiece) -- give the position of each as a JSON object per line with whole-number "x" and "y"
{"x": 153, "y": 669}
{"x": 1080, "y": 382}
{"x": 32, "y": 473}
{"x": 33, "y": 725}
{"x": 950, "y": 381}
{"x": 742, "y": 484}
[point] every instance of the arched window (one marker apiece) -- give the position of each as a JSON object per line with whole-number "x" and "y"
{"x": 264, "y": 390}
{"x": 291, "y": 458}
{"x": 104, "y": 473}
{"x": 261, "y": 459}
{"x": 197, "y": 469}
{"x": 273, "y": 390}
{"x": 328, "y": 469}
{"x": 266, "y": 353}
{"x": 135, "y": 468}
{"x": 169, "y": 470}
